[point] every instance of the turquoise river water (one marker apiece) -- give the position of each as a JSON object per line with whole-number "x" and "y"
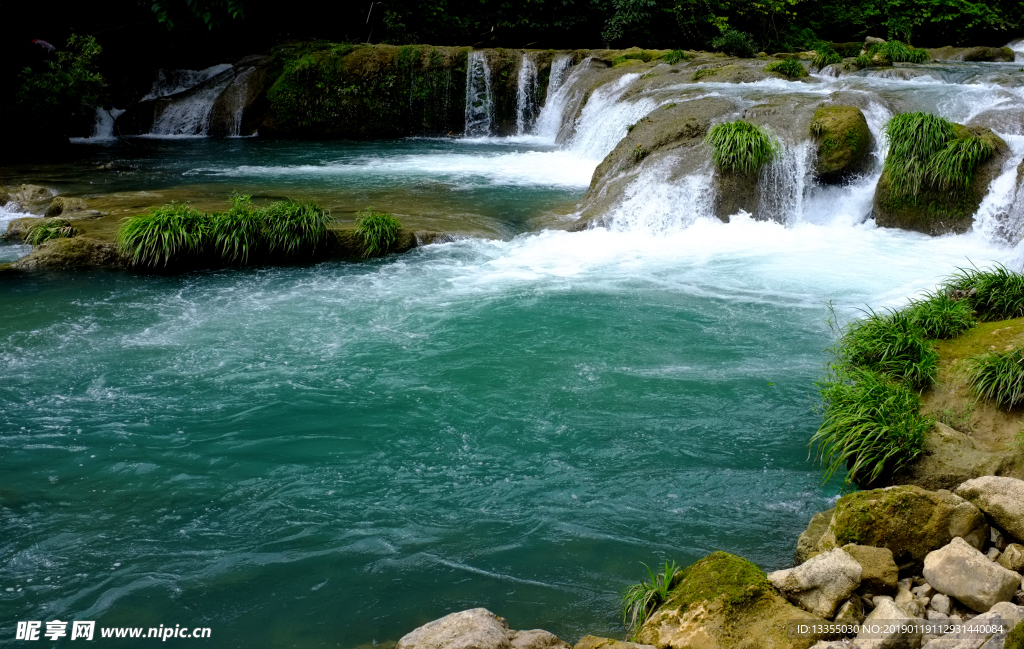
{"x": 334, "y": 454}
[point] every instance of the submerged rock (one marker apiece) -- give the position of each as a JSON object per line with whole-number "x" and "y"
{"x": 908, "y": 520}
{"x": 1002, "y": 500}
{"x": 843, "y": 140}
{"x": 820, "y": 584}
{"x": 961, "y": 571}
{"x": 725, "y": 602}
{"x": 476, "y": 628}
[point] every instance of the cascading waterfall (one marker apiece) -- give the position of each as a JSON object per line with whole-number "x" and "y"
{"x": 189, "y": 114}
{"x": 783, "y": 183}
{"x": 479, "y": 101}
{"x": 171, "y": 82}
{"x": 103, "y": 125}
{"x": 526, "y": 96}
{"x": 234, "y": 100}
{"x": 551, "y": 118}
{"x": 1018, "y": 47}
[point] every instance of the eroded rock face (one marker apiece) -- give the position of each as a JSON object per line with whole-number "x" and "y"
{"x": 842, "y": 140}
{"x": 1002, "y": 500}
{"x": 972, "y": 54}
{"x": 725, "y": 602}
{"x": 935, "y": 211}
{"x": 477, "y": 628}
{"x": 820, "y": 584}
{"x": 950, "y": 458}
{"x": 960, "y": 570}
{"x": 879, "y": 574}
{"x": 62, "y": 205}
{"x": 908, "y": 520}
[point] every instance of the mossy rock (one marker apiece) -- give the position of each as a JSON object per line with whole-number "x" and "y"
{"x": 1004, "y": 54}
{"x": 950, "y": 458}
{"x": 347, "y": 244}
{"x": 1016, "y": 638}
{"x": 733, "y": 73}
{"x": 935, "y": 211}
{"x": 908, "y": 520}
{"x": 724, "y": 601}
{"x": 843, "y": 140}
{"x": 808, "y": 541}
{"x": 17, "y": 229}
{"x": 74, "y": 252}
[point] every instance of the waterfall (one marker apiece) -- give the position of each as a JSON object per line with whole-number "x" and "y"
{"x": 782, "y": 184}
{"x": 526, "y": 95}
{"x": 479, "y": 101}
{"x": 234, "y": 99}
{"x": 171, "y": 82}
{"x": 1018, "y": 47}
{"x": 549, "y": 121}
{"x": 188, "y": 113}
{"x": 102, "y": 126}
{"x": 605, "y": 119}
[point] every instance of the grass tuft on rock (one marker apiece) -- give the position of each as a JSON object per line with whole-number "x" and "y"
{"x": 742, "y": 148}
{"x": 791, "y": 68}
{"x": 165, "y": 234}
{"x": 824, "y": 56}
{"x": 294, "y": 227}
{"x": 891, "y": 343}
{"x": 940, "y": 315}
{"x": 49, "y": 229}
{"x": 378, "y": 230}
{"x": 952, "y": 167}
{"x": 239, "y": 233}
{"x": 642, "y": 599}
{"x": 871, "y": 425}
{"x": 998, "y": 376}
{"x": 995, "y": 293}
{"x": 898, "y": 52}
{"x": 675, "y": 56}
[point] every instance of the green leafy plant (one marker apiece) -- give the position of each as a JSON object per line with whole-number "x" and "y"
{"x": 166, "y": 233}
{"x": 995, "y": 293}
{"x": 862, "y": 61}
{"x": 378, "y": 230}
{"x": 741, "y": 147}
{"x": 825, "y": 55}
{"x": 870, "y": 425}
{"x": 914, "y": 139}
{"x": 940, "y": 315}
{"x": 642, "y": 599}
{"x": 791, "y": 68}
{"x": 735, "y": 43}
{"x": 294, "y": 227}
{"x": 891, "y": 343}
{"x": 897, "y": 52}
{"x": 675, "y": 56}
{"x": 952, "y": 167}
{"x": 66, "y": 90}
{"x": 998, "y": 376}
{"x": 240, "y": 232}
{"x": 49, "y": 229}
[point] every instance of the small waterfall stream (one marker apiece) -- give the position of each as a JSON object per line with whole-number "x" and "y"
{"x": 479, "y": 101}
{"x": 526, "y": 96}
{"x": 189, "y": 114}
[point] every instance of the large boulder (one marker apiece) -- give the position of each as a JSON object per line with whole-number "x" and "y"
{"x": 935, "y": 211}
{"x": 1002, "y": 500}
{"x": 820, "y": 584}
{"x": 61, "y": 205}
{"x": 949, "y": 458}
{"x": 948, "y": 53}
{"x": 805, "y": 545}
{"x": 17, "y": 229}
{"x": 960, "y": 570}
{"x": 725, "y": 602}
{"x": 982, "y": 631}
{"x": 890, "y": 628}
{"x": 75, "y": 252}
{"x": 879, "y": 574}
{"x": 908, "y": 520}
{"x": 842, "y": 141}
{"x": 476, "y": 628}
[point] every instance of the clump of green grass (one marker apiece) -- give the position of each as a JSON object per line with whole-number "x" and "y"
{"x": 675, "y": 56}
{"x": 735, "y": 43}
{"x": 294, "y": 227}
{"x": 952, "y": 167}
{"x": 166, "y": 233}
{"x": 741, "y": 147}
{"x": 240, "y": 232}
{"x": 862, "y": 61}
{"x": 641, "y": 600}
{"x": 378, "y": 230}
{"x": 639, "y": 153}
{"x": 49, "y": 229}
{"x": 998, "y": 376}
{"x": 914, "y": 139}
{"x": 824, "y": 56}
{"x": 871, "y": 425}
{"x": 940, "y": 315}
{"x": 898, "y": 52}
{"x": 995, "y": 293}
{"x": 791, "y": 68}
{"x": 891, "y": 343}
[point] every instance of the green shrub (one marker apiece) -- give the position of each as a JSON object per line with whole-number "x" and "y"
{"x": 63, "y": 93}
{"x": 788, "y": 67}
{"x": 641, "y": 600}
{"x": 240, "y": 232}
{"x": 940, "y": 315}
{"x": 996, "y": 293}
{"x": 741, "y": 147}
{"x": 49, "y": 229}
{"x": 871, "y": 425}
{"x": 998, "y": 376}
{"x": 378, "y": 231}
{"x": 897, "y": 52}
{"x": 294, "y": 227}
{"x": 735, "y": 43}
{"x": 164, "y": 234}
{"x": 890, "y": 343}
{"x": 825, "y": 56}
{"x": 675, "y": 56}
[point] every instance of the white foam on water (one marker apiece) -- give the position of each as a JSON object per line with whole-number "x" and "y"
{"x": 103, "y": 126}
{"x": 996, "y": 216}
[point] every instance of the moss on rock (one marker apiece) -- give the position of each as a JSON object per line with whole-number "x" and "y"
{"x": 724, "y": 601}
{"x": 1016, "y": 638}
{"x": 908, "y": 520}
{"x": 74, "y": 252}
{"x": 808, "y": 541}
{"x": 843, "y": 139}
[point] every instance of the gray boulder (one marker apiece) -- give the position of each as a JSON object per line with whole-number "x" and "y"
{"x": 537, "y": 639}
{"x": 897, "y": 631}
{"x": 962, "y": 571}
{"x": 476, "y": 628}
{"x": 1013, "y": 557}
{"x": 1002, "y": 500}
{"x": 820, "y": 584}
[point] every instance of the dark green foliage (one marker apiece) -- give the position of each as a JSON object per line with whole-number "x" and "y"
{"x": 996, "y": 293}
{"x": 378, "y": 230}
{"x": 891, "y": 343}
{"x": 998, "y": 376}
{"x": 49, "y": 229}
{"x": 940, "y": 315}
{"x": 675, "y": 56}
{"x": 169, "y": 233}
{"x": 64, "y": 92}
{"x": 824, "y": 56}
{"x": 791, "y": 68}
{"x": 641, "y": 600}
{"x": 294, "y": 227}
{"x": 735, "y": 43}
{"x": 1016, "y": 638}
{"x": 741, "y": 147}
{"x": 862, "y": 61}
{"x": 871, "y": 425}
{"x": 240, "y": 232}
